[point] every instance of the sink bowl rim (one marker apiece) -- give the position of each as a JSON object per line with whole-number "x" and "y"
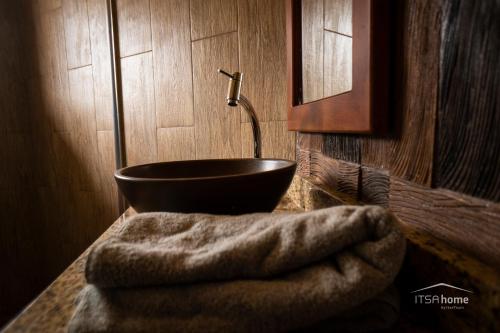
{"x": 119, "y": 173}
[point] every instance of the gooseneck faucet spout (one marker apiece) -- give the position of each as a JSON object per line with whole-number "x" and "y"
{"x": 234, "y": 97}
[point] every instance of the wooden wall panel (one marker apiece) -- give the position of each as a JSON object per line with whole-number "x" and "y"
{"x": 107, "y": 167}
{"x": 277, "y": 141}
{"x": 409, "y": 153}
{"x": 134, "y": 26}
{"x": 338, "y": 16}
{"x": 312, "y": 50}
{"x": 262, "y": 46}
{"x": 217, "y": 126}
{"x": 172, "y": 63}
{"x": 176, "y": 143}
{"x": 76, "y": 27}
{"x": 468, "y": 144}
{"x": 84, "y": 131}
{"x": 213, "y": 17}
{"x": 52, "y": 65}
{"x": 139, "y": 109}
{"x": 101, "y": 64}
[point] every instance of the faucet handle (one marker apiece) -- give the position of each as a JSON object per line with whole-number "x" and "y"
{"x": 220, "y": 70}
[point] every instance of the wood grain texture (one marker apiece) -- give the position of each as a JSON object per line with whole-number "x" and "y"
{"x": 108, "y": 203}
{"x": 312, "y": 50}
{"x": 310, "y": 141}
{"x": 262, "y": 46}
{"x": 335, "y": 175}
{"x": 409, "y": 153}
{"x": 468, "y": 223}
{"x": 343, "y": 147}
{"x": 374, "y": 188}
{"x": 134, "y": 26}
{"x": 172, "y": 63}
{"x": 84, "y": 131}
{"x": 337, "y": 64}
{"x": 213, "y": 17}
{"x": 176, "y": 144}
{"x": 277, "y": 141}
{"x": 468, "y": 142}
{"x": 338, "y": 16}
{"x": 51, "y": 63}
{"x": 217, "y": 126}
{"x": 101, "y": 64}
{"x": 76, "y": 27}
{"x": 139, "y": 116}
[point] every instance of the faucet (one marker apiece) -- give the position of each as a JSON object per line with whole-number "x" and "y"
{"x": 234, "y": 98}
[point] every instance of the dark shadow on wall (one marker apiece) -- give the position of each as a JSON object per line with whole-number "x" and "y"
{"x": 52, "y": 205}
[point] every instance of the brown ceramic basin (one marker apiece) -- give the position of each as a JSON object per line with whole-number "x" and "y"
{"x": 230, "y": 186}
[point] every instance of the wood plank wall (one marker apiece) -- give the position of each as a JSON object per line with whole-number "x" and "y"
{"x": 439, "y": 168}
{"x": 57, "y": 192}
{"x": 174, "y": 99}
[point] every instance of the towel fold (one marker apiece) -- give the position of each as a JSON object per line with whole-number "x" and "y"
{"x": 249, "y": 273}
{"x": 171, "y": 248}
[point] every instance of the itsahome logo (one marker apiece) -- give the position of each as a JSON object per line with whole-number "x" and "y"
{"x": 428, "y": 296}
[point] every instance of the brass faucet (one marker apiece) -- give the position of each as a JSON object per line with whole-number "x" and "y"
{"x": 234, "y": 97}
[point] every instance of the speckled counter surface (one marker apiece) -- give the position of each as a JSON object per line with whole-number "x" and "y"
{"x": 428, "y": 260}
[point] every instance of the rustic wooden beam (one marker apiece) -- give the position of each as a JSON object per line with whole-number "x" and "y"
{"x": 374, "y": 188}
{"x": 337, "y": 176}
{"x": 467, "y": 223}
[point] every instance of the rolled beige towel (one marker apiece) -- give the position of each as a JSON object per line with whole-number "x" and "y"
{"x": 253, "y": 273}
{"x": 171, "y": 248}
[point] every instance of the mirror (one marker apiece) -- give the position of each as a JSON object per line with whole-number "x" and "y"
{"x": 337, "y": 63}
{"x": 326, "y": 48}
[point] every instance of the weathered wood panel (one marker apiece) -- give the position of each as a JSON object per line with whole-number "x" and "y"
{"x": 338, "y": 16}
{"x": 172, "y": 63}
{"x": 343, "y": 147}
{"x": 409, "y": 153}
{"x": 101, "y": 64}
{"x": 212, "y": 17}
{"x": 310, "y": 141}
{"x": 312, "y": 50}
{"x": 468, "y": 145}
{"x": 468, "y": 223}
{"x": 262, "y": 42}
{"x": 134, "y": 26}
{"x": 76, "y": 28}
{"x": 176, "y": 143}
{"x": 339, "y": 176}
{"x": 139, "y": 116}
{"x": 277, "y": 141}
{"x": 217, "y": 126}
{"x": 374, "y": 186}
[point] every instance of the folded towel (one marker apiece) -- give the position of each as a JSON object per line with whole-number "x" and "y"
{"x": 250, "y": 273}
{"x": 171, "y": 248}
{"x": 152, "y": 310}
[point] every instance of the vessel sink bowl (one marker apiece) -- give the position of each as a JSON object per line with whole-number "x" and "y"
{"x": 227, "y": 186}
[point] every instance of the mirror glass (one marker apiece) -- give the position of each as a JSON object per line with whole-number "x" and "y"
{"x": 326, "y": 48}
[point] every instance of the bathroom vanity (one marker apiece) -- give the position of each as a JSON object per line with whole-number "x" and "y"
{"x": 427, "y": 259}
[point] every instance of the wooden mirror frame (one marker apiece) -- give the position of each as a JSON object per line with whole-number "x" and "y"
{"x": 363, "y": 109}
